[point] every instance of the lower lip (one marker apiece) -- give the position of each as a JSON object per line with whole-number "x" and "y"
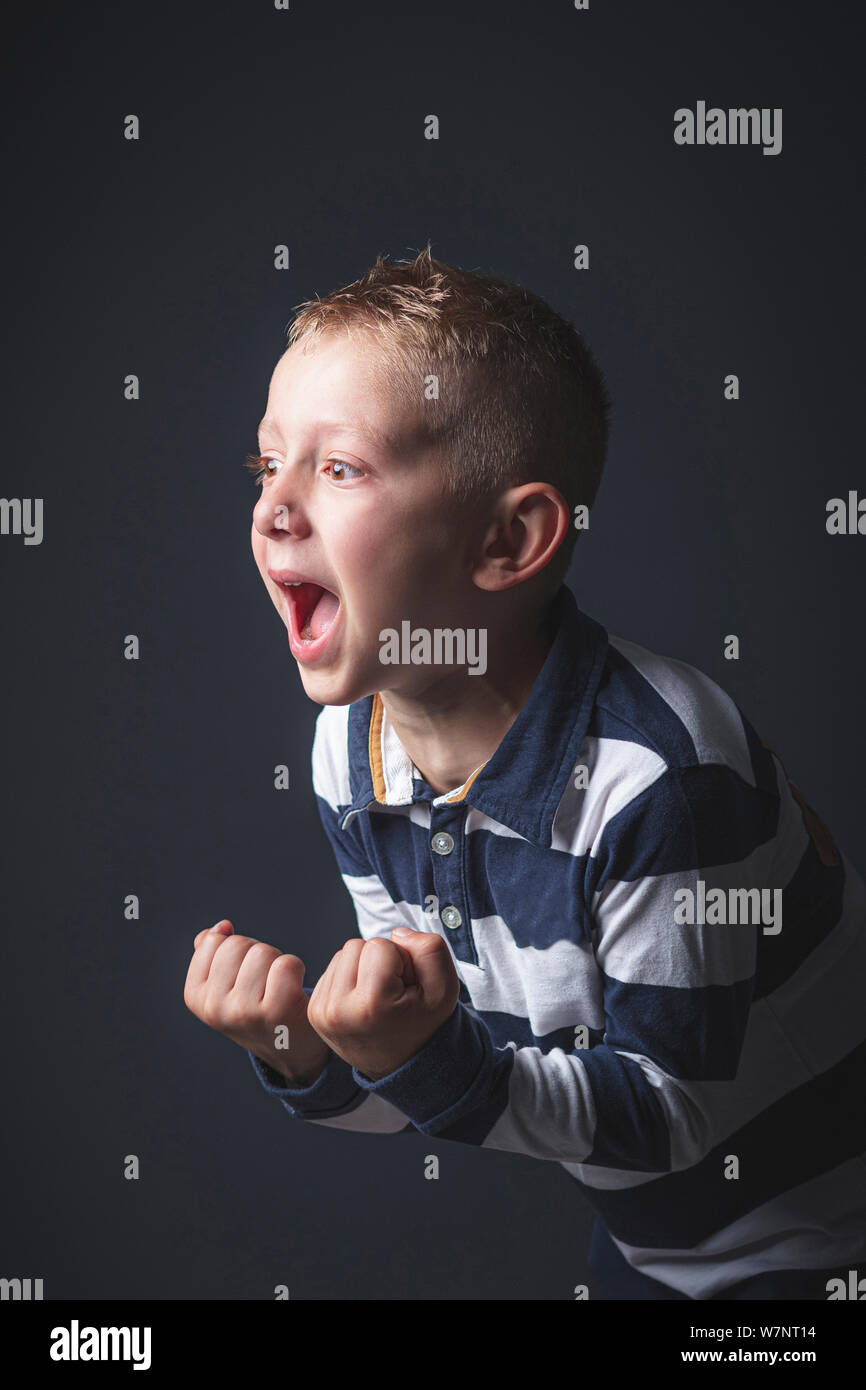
{"x": 307, "y": 651}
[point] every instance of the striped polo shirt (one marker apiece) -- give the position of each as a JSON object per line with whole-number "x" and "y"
{"x": 661, "y": 954}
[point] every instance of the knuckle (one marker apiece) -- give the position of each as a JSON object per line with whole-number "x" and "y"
{"x": 262, "y": 951}
{"x": 331, "y": 1016}
{"x": 209, "y": 1012}
{"x": 234, "y": 945}
{"x": 285, "y": 978}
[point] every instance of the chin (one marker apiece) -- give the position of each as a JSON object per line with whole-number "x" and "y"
{"x": 333, "y": 688}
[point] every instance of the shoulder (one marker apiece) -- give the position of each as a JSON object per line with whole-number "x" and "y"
{"x": 672, "y": 710}
{"x": 666, "y": 752}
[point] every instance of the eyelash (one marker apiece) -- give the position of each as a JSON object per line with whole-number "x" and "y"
{"x": 255, "y": 464}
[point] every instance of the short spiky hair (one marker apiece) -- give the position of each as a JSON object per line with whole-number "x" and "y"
{"x": 520, "y": 396}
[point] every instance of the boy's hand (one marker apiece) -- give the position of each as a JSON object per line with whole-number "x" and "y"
{"x": 244, "y": 989}
{"x": 378, "y": 1002}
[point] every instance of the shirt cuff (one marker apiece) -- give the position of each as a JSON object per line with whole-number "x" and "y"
{"x": 334, "y": 1091}
{"x": 446, "y": 1080}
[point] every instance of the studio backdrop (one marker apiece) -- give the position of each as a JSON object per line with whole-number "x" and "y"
{"x": 178, "y": 178}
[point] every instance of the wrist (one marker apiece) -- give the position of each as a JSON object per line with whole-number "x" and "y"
{"x": 297, "y": 1077}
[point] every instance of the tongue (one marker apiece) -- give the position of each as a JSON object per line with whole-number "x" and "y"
{"x": 322, "y": 615}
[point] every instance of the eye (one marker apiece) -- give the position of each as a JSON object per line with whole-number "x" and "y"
{"x": 258, "y": 466}
{"x": 339, "y": 474}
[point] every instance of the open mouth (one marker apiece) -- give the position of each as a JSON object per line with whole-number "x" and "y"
{"x": 311, "y": 612}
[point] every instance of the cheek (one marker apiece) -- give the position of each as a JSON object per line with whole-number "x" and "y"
{"x": 259, "y": 548}
{"x": 259, "y": 545}
{"x": 362, "y": 554}
{"x": 388, "y": 542}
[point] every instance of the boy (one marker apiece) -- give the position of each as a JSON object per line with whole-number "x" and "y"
{"x": 597, "y": 924}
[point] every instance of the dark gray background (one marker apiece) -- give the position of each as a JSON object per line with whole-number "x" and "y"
{"x": 156, "y": 777}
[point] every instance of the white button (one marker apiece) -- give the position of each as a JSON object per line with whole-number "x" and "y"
{"x": 443, "y": 843}
{"x": 450, "y": 916}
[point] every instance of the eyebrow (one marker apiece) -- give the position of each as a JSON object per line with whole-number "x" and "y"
{"x": 383, "y": 441}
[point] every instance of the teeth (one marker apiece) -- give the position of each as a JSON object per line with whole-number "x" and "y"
{"x": 291, "y": 583}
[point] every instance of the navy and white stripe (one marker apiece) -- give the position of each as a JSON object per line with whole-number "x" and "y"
{"x": 703, "y": 1041}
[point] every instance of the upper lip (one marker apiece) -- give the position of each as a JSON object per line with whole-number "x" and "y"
{"x": 292, "y": 577}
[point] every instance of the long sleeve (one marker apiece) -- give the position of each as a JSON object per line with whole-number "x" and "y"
{"x": 676, "y": 995}
{"x": 335, "y": 1099}
{"x": 659, "y": 946}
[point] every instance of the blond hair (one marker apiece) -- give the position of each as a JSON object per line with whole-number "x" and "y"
{"x": 520, "y": 396}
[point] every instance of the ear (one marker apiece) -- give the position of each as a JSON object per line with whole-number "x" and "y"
{"x": 528, "y": 525}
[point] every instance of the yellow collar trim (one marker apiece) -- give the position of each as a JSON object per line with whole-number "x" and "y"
{"x": 461, "y": 791}
{"x": 374, "y": 747}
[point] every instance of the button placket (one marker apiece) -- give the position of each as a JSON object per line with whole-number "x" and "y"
{"x": 447, "y": 841}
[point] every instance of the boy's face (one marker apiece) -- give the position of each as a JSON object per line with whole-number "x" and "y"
{"x": 358, "y": 515}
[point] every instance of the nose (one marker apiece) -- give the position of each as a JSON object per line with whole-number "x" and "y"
{"x": 279, "y": 509}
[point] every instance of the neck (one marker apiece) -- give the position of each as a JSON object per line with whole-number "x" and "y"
{"x": 457, "y": 722}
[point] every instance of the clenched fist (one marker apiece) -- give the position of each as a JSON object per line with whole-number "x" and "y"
{"x": 380, "y": 1001}
{"x": 245, "y": 989}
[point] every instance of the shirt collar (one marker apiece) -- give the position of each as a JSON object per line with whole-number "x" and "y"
{"x": 521, "y": 785}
